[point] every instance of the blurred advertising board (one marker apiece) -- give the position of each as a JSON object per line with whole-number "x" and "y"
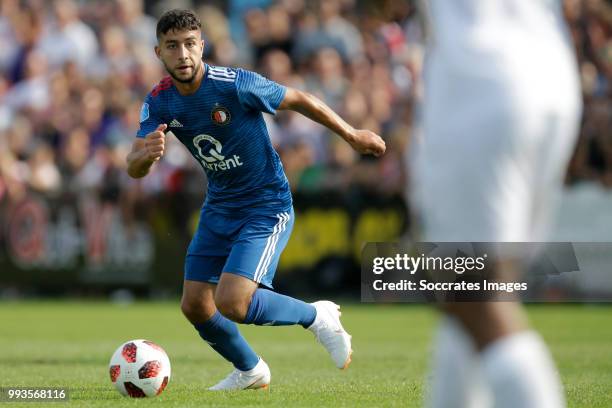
{"x": 68, "y": 242}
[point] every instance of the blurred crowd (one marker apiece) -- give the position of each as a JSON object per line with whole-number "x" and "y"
{"x": 73, "y": 75}
{"x": 590, "y": 23}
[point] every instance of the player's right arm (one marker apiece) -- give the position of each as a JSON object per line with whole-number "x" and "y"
{"x": 146, "y": 151}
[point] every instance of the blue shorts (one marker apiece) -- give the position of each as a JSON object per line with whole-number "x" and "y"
{"x": 248, "y": 246}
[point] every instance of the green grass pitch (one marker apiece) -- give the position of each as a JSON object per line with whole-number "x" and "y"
{"x": 68, "y": 344}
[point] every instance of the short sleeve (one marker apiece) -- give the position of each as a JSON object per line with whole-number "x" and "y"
{"x": 148, "y": 119}
{"x": 256, "y": 92}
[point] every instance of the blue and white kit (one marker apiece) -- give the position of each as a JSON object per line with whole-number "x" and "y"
{"x": 247, "y": 217}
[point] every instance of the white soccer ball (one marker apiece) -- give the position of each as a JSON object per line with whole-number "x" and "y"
{"x": 140, "y": 368}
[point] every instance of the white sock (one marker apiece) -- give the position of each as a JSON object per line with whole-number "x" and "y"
{"x": 456, "y": 378}
{"x": 521, "y": 373}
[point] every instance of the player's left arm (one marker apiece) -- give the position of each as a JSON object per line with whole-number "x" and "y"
{"x": 362, "y": 140}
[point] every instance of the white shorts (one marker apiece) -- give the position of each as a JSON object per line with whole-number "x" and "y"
{"x": 494, "y": 150}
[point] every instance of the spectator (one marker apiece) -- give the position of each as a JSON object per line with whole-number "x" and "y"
{"x": 68, "y": 38}
{"x": 73, "y": 75}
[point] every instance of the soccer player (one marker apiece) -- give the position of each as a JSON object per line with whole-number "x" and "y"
{"x": 500, "y": 119}
{"x": 246, "y": 220}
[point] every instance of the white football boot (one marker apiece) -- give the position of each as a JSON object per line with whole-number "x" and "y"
{"x": 329, "y": 332}
{"x": 256, "y": 378}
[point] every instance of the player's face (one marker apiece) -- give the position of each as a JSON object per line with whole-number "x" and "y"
{"x": 181, "y": 54}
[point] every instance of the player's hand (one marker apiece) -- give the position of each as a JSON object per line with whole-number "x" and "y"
{"x": 367, "y": 142}
{"x": 155, "y": 143}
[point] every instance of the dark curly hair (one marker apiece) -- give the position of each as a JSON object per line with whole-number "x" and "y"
{"x": 177, "y": 20}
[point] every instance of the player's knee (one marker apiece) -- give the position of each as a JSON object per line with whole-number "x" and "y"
{"x": 190, "y": 310}
{"x": 196, "y": 311}
{"x": 234, "y": 308}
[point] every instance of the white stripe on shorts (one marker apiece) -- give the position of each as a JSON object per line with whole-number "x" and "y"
{"x": 268, "y": 252}
{"x": 260, "y": 270}
{"x": 266, "y": 249}
{"x": 270, "y": 248}
{"x": 276, "y": 238}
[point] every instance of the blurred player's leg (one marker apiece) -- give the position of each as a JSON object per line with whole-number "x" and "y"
{"x": 455, "y": 352}
{"x": 521, "y": 372}
{"x": 528, "y": 189}
{"x": 497, "y": 329}
{"x": 513, "y": 360}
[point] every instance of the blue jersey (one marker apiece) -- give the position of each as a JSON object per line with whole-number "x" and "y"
{"x": 223, "y": 127}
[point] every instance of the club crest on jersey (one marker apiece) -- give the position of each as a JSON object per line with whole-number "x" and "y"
{"x": 220, "y": 115}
